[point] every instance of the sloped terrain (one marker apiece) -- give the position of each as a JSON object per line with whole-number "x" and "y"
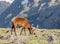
{"x": 40, "y": 13}
{"x": 3, "y": 6}
{"x": 43, "y": 36}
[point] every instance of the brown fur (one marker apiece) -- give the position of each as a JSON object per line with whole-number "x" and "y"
{"x": 23, "y": 22}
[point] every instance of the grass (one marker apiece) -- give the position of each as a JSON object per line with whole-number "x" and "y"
{"x": 42, "y": 36}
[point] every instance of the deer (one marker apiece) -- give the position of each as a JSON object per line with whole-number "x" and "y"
{"x": 23, "y": 22}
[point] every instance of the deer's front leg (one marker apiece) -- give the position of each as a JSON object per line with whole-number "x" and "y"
{"x": 21, "y": 30}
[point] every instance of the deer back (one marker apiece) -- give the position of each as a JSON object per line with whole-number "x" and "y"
{"x": 21, "y": 21}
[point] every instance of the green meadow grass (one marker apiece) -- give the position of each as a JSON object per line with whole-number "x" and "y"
{"x": 31, "y": 39}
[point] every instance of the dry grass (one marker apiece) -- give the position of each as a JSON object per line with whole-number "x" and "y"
{"x": 43, "y": 37}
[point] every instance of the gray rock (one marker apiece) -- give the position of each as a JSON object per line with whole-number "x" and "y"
{"x": 1, "y": 37}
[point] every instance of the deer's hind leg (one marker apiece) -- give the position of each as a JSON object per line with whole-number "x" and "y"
{"x": 12, "y": 28}
{"x": 24, "y": 30}
{"x": 15, "y": 25}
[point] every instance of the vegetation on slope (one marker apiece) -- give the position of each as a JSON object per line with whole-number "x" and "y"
{"x": 44, "y": 36}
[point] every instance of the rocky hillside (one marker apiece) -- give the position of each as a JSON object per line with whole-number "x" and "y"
{"x": 41, "y": 13}
{"x": 3, "y": 6}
